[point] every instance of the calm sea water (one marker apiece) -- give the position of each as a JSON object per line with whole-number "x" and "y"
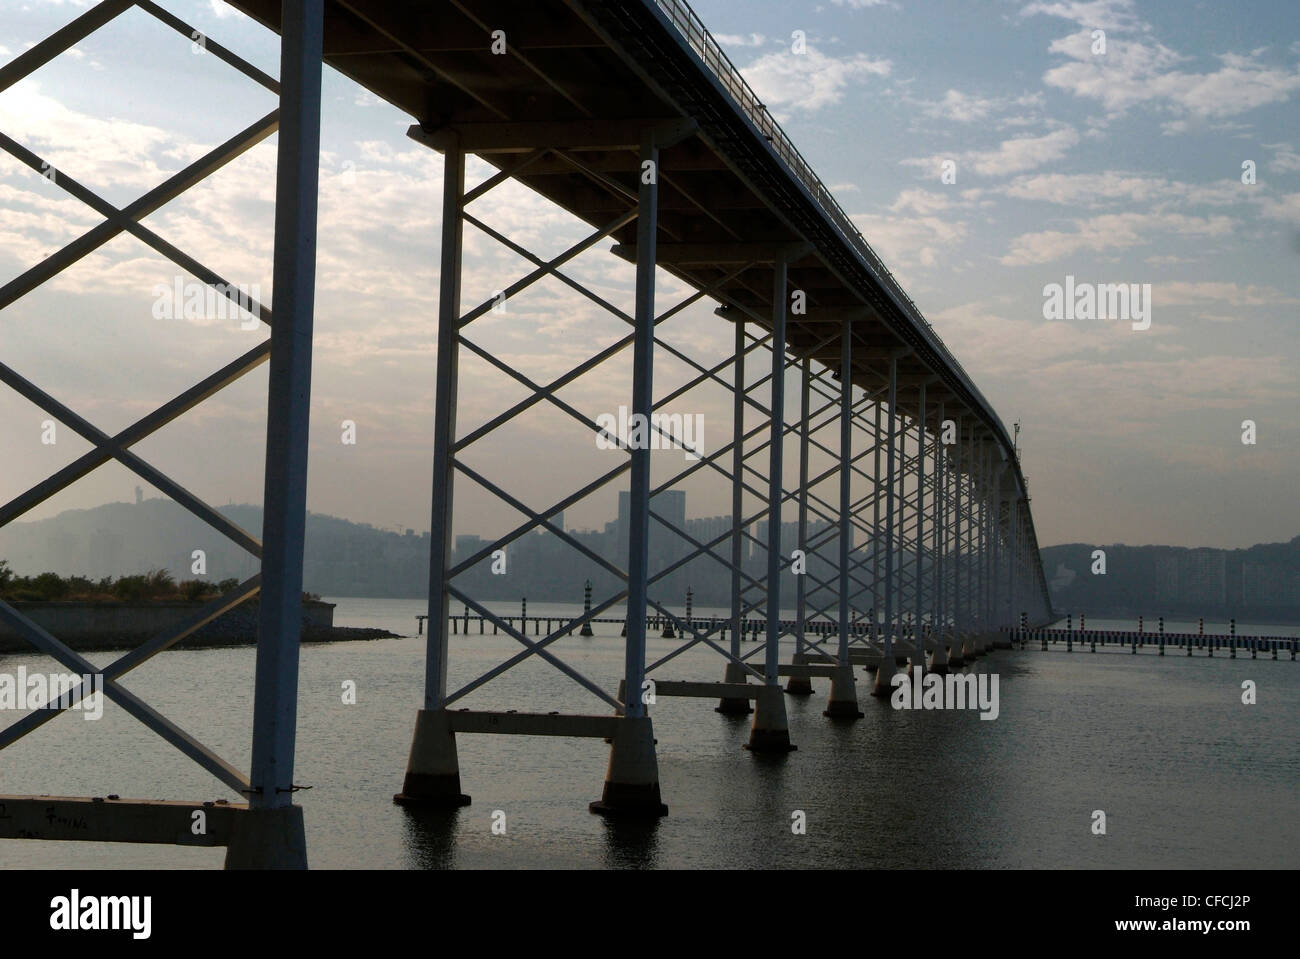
{"x": 1188, "y": 776}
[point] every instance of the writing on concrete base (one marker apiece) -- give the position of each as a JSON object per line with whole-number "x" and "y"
{"x": 953, "y": 691}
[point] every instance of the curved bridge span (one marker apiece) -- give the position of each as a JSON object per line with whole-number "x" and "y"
{"x": 629, "y": 116}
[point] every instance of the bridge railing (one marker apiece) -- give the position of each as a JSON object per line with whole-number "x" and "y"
{"x": 688, "y": 24}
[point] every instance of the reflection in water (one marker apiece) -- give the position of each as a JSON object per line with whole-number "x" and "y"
{"x": 430, "y": 837}
{"x": 630, "y": 843}
{"x": 1077, "y": 731}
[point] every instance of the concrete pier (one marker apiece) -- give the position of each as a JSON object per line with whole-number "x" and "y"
{"x": 632, "y": 779}
{"x": 733, "y": 705}
{"x": 770, "y": 732}
{"x": 433, "y": 769}
{"x": 843, "y": 702}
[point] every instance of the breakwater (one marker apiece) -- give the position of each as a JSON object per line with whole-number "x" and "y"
{"x": 86, "y": 626}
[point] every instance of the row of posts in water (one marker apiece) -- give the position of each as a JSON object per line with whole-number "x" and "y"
{"x": 755, "y": 629}
{"x": 1140, "y": 639}
{"x": 750, "y": 629}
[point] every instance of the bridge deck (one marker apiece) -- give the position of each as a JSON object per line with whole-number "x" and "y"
{"x": 583, "y": 76}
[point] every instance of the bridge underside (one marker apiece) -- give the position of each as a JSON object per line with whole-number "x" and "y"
{"x": 626, "y": 115}
{"x": 587, "y": 79}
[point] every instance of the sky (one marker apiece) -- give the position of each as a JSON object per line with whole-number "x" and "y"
{"x": 1123, "y": 166}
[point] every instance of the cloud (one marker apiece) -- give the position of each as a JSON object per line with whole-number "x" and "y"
{"x": 920, "y": 201}
{"x": 1093, "y": 14}
{"x": 224, "y": 10}
{"x": 1286, "y": 208}
{"x": 1132, "y": 73}
{"x": 124, "y": 155}
{"x": 908, "y": 241}
{"x": 1096, "y": 189}
{"x": 961, "y": 107}
{"x": 1023, "y": 153}
{"x": 1183, "y": 293}
{"x": 809, "y": 80}
{"x": 1285, "y": 159}
{"x": 1110, "y": 231}
{"x": 740, "y": 39}
{"x": 1011, "y": 156}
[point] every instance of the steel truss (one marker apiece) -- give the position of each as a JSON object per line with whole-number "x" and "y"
{"x": 266, "y": 829}
{"x": 936, "y": 555}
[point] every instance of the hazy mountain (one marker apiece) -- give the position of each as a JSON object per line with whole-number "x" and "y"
{"x": 1261, "y": 583}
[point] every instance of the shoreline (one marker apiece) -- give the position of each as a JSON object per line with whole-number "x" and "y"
{"x": 91, "y": 644}
{"x": 86, "y": 626}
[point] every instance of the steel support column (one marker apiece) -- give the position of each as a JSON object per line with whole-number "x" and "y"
{"x": 802, "y": 685}
{"x": 918, "y": 634}
{"x": 770, "y": 731}
{"x": 735, "y": 673}
{"x": 433, "y": 767}
{"x": 843, "y": 703}
{"x": 939, "y": 617}
{"x": 965, "y": 594}
{"x": 885, "y": 671}
{"x": 274, "y": 835}
{"x": 632, "y": 779}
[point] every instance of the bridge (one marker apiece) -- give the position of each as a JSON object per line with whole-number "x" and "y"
{"x": 630, "y": 117}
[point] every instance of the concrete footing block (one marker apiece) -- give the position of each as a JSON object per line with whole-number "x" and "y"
{"x": 884, "y": 676}
{"x": 734, "y": 707}
{"x": 770, "y": 732}
{"x": 433, "y": 770}
{"x": 799, "y": 685}
{"x": 902, "y": 653}
{"x": 632, "y": 779}
{"x": 267, "y": 839}
{"x": 843, "y": 703}
{"x": 939, "y": 658}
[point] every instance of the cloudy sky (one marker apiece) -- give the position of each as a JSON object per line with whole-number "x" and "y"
{"x": 1117, "y": 167}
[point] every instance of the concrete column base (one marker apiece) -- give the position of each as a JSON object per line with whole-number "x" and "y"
{"x": 843, "y": 703}
{"x": 939, "y": 658}
{"x": 432, "y": 771}
{"x": 969, "y": 650}
{"x": 734, "y": 707}
{"x": 632, "y": 779}
{"x": 884, "y": 676}
{"x": 267, "y": 839}
{"x": 902, "y": 653}
{"x": 770, "y": 733}
{"x": 799, "y": 685}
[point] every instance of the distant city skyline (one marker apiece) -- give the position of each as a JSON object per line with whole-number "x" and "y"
{"x": 1122, "y": 167}
{"x": 349, "y": 559}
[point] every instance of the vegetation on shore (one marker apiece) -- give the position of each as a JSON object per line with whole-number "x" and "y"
{"x": 154, "y": 586}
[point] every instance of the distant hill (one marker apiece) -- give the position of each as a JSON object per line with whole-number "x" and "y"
{"x": 1260, "y": 583}
{"x": 342, "y": 558}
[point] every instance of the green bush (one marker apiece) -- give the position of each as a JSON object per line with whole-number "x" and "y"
{"x": 50, "y": 586}
{"x": 157, "y": 584}
{"x": 195, "y": 589}
{"x": 131, "y": 588}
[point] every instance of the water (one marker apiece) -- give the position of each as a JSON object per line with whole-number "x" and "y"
{"x": 1187, "y": 775}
